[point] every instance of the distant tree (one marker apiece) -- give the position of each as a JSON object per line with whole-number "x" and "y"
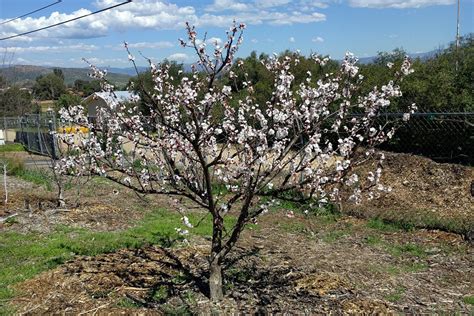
{"x": 439, "y": 85}
{"x": 3, "y": 82}
{"x": 58, "y": 73}
{"x": 436, "y": 83}
{"x": 66, "y": 100}
{"x": 16, "y": 102}
{"x": 143, "y": 83}
{"x": 49, "y": 87}
{"x": 86, "y": 87}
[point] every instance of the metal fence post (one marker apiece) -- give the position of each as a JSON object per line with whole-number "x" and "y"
{"x": 40, "y": 142}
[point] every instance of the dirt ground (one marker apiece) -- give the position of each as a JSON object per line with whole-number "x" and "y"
{"x": 302, "y": 265}
{"x": 424, "y": 193}
{"x": 281, "y": 268}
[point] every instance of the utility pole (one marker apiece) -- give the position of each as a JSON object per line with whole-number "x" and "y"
{"x": 457, "y": 36}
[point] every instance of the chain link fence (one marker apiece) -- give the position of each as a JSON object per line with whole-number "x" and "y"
{"x": 443, "y": 137}
{"x": 34, "y": 132}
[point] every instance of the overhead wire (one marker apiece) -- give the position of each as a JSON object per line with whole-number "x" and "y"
{"x": 67, "y": 21}
{"x": 29, "y": 13}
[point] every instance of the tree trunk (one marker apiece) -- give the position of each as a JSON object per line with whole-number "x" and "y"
{"x": 215, "y": 281}
{"x": 215, "y": 261}
{"x": 61, "y": 201}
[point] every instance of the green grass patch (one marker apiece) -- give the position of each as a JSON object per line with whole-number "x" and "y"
{"x": 335, "y": 235}
{"x": 396, "y": 295}
{"x": 388, "y": 226}
{"x": 128, "y": 303}
{"x": 37, "y": 176}
{"x": 15, "y": 147}
{"x": 373, "y": 240}
{"x": 392, "y": 221}
{"x": 219, "y": 189}
{"x": 293, "y": 227}
{"x": 16, "y": 167}
{"x": 410, "y": 249}
{"x": 22, "y": 256}
{"x": 406, "y": 268}
{"x": 468, "y": 299}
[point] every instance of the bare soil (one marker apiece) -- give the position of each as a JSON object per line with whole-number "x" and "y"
{"x": 423, "y": 191}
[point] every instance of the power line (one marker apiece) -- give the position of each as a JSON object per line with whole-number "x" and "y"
{"x": 26, "y": 14}
{"x": 67, "y": 21}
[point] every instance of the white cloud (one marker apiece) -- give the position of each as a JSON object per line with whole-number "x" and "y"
{"x": 179, "y": 57}
{"x": 222, "y": 5}
{"x": 261, "y": 17}
{"x": 254, "y": 40}
{"x": 137, "y": 14}
{"x": 156, "y": 45}
{"x": 52, "y": 49}
{"x": 291, "y": 39}
{"x": 214, "y": 41}
{"x": 160, "y": 15}
{"x": 398, "y": 4}
{"x": 100, "y": 61}
{"x": 271, "y": 3}
{"x": 308, "y": 4}
{"x": 317, "y": 39}
{"x": 297, "y": 17}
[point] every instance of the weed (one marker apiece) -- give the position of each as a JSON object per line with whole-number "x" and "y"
{"x": 190, "y": 297}
{"x": 388, "y": 226}
{"x": 406, "y": 268}
{"x": 373, "y": 240}
{"x": 414, "y": 267}
{"x": 11, "y": 220}
{"x": 14, "y": 165}
{"x": 406, "y": 249}
{"x": 219, "y": 189}
{"x": 160, "y": 294}
{"x": 334, "y": 235}
{"x": 293, "y": 227}
{"x": 468, "y": 299}
{"x": 128, "y": 303}
{"x": 397, "y": 295}
{"x": 176, "y": 310}
{"x": 39, "y": 177}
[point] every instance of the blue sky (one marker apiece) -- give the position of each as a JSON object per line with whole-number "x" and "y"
{"x": 332, "y": 27}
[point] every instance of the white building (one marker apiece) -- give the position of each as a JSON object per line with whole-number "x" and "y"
{"x": 106, "y": 99}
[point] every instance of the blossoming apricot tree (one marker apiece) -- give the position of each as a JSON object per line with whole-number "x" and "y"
{"x": 184, "y": 149}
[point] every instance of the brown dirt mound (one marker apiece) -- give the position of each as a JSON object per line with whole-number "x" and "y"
{"x": 423, "y": 192}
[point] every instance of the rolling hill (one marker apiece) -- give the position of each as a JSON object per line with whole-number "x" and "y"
{"x": 25, "y": 75}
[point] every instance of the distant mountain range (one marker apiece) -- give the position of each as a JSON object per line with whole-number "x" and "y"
{"x": 25, "y": 75}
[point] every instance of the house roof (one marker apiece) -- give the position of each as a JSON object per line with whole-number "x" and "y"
{"x": 111, "y": 98}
